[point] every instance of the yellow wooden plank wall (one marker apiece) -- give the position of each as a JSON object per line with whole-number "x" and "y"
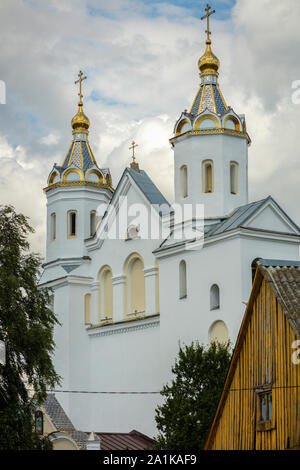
{"x": 265, "y": 357}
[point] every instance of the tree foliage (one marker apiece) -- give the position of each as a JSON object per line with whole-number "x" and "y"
{"x": 184, "y": 419}
{"x": 26, "y": 327}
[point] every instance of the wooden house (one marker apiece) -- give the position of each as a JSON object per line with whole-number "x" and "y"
{"x": 259, "y": 408}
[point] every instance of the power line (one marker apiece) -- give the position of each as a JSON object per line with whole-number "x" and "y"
{"x": 103, "y": 393}
{"x": 158, "y": 393}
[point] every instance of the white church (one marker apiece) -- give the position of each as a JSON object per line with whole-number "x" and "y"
{"x": 125, "y": 303}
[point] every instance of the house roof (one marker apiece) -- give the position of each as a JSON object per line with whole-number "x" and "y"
{"x": 61, "y": 421}
{"x": 284, "y": 279}
{"x": 133, "y": 440}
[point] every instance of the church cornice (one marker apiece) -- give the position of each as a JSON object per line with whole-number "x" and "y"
{"x": 124, "y": 326}
{"x": 79, "y": 183}
{"x": 239, "y": 134}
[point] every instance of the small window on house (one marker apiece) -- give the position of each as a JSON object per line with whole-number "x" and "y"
{"x": 214, "y": 297}
{"x": 184, "y": 181}
{"x": 39, "y": 423}
{"x": 264, "y": 409}
{"x": 93, "y": 223}
{"x": 53, "y": 227}
{"x": 72, "y": 224}
{"x": 234, "y": 177}
{"x": 208, "y": 177}
{"x": 182, "y": 280}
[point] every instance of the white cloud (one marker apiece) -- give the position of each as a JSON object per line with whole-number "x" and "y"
{"x": 50, "y": 139}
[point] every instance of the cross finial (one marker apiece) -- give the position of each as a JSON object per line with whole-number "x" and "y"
{"x": 134, "y": 164}
{"x": 208, "y": 14}
{"x": 80, "y": 80}
{"x": 133, "y": 146}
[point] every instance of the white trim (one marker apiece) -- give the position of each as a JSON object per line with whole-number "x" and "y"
{"x": 277, "y": 210}
{"x": 241, "y": 232}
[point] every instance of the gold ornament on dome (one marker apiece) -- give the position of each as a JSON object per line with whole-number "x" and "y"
{"x": 208, "y": 64}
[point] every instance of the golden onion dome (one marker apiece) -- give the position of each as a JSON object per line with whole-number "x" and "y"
{"x": 208, "y": 64}
{"x": 80, "y": 123}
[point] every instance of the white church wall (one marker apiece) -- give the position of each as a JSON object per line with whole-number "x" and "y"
{"x": 227, "y": 264}
{"x": 268, "y": 219}
{"x": 126, "y": 361}
{"x": 190, "y": 319}
{"x": 72, "y": 359}
{"x": 60, "y": 201}
{"x": 119, "y": 361}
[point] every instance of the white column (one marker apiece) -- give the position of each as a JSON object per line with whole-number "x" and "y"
{"x": 94, "y": 303}
{"x": 150, "y": 281}
{"x": 118, "y": 296}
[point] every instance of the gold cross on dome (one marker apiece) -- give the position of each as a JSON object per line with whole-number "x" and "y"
{"x": 80, "y": 80}
{"x": 133, "y": 146}
{"x": 208, "y": 14}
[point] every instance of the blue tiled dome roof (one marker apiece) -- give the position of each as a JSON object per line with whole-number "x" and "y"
{"x": 209, "y": 97}
{"x": 80, "y": 155}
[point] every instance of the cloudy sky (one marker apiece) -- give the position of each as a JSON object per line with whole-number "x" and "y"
{"x": 140, "y": 57}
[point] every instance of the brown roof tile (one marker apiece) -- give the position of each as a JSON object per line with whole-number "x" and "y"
{"x": 133, "y": 440}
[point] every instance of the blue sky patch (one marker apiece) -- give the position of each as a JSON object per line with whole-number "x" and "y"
{"x": 152, "y": 9}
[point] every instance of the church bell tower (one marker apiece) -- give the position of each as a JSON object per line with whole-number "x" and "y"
{"x": 74, "y": 192}
{"x": 211, "y": 146}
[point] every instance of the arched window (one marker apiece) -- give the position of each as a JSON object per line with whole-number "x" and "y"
{"x": 39, "y": 423}
{"x": 208, "y": 176}
{"x": 214, "y": 297}
{"x": 53, "y": 227}
{"x": 105, "y": 294}
{"x": 182, "y": 280}
{"x": 135, "y": 289}
{"x": 218, "y": 332}
{"x": 184, "y": 181}
{"x": 234, "y": 177}
{"x": 72, "y": 224}
{"x": 93, "y": 223}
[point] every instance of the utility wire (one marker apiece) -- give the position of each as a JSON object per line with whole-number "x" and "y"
{"x": 157, "y": 393}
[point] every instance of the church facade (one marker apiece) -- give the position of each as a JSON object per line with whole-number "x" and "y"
{"x": 127, "y": 295}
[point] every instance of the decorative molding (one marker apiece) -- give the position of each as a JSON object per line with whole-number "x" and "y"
{"x": 124, "y": 326}
{"x": 241, "y": 232}
{"x": 79, "y": 183}
{"x": 149, "y": 272}
{"x": 118, "y": 280}
{"x": 231, "y": 132}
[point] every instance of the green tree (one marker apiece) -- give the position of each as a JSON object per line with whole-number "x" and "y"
{"x": 26, "y": 327}
{"x": 184, "y": 419}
